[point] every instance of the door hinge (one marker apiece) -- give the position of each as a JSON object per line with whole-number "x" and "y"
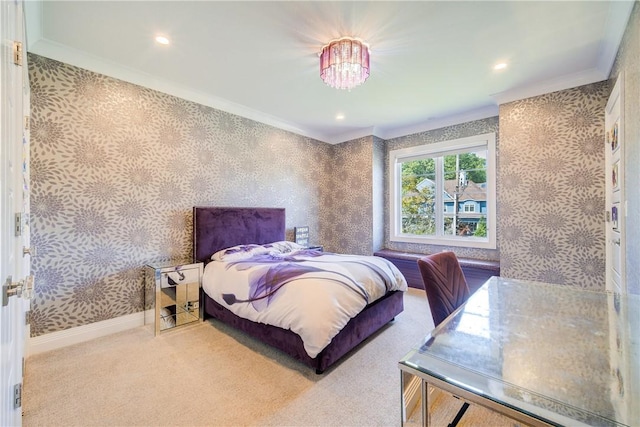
{"x": 17, "y": 53}
{"x": 607, "y": 216}
{"x": 26, "y": 123}
{"x": 17, "y": 396}
{"x": 23, "y": 288}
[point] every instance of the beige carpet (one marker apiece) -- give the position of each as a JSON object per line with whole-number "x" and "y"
{"x": 210, "y": 375}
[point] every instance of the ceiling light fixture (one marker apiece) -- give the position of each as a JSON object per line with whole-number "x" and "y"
{"x": 344, "y": 63}
{"x": 500, "y": 66}
{"x": 162, "y": 40}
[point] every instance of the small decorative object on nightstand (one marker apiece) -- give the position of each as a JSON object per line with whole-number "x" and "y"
{"x": 317, "y": 247}
{"x": 172, "y": 294}
{"x": 301, "y": 235}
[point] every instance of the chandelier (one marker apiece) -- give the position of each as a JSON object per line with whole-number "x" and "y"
{"x": 344, "y": 63}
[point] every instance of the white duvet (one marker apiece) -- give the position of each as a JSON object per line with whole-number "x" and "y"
{"x": 313, "y": 294}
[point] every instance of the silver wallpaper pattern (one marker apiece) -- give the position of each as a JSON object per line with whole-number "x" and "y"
{"x": 347, "y": 215}
{"x": 552, "y": 187}
{"x": 116, "y": 169}
{"x": 379, "y": 180}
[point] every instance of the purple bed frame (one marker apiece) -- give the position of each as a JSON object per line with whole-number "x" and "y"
{"x": 216, "y": 228}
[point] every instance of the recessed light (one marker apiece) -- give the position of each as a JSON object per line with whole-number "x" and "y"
{"x": 340, "y": 117}
{"x": 500, "y": 66}
{"x": 162, "y": 40}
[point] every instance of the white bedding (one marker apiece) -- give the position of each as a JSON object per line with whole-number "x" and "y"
{"x": 313, "y": 294}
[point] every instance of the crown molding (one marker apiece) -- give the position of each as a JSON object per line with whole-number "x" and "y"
{"x": 619, "y": 11}
{"x": 351, "y": 135}
{"x": 567, "y": 81}
{"x": 33, "y": 21}
{"x": 440, "y": 122}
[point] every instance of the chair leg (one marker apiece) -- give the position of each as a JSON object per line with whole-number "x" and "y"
{"x": 459, "y": 415}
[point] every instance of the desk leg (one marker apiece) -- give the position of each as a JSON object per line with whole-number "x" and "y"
{"x": 412, "y": 397}
{"x": 403, "y": 407}
{"x": 425, "y": 403}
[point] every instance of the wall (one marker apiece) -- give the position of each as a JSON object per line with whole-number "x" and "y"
{"x": 116, "y": 169}
{"x": 551, "y": 187}
{"x": 463, "y": 130}
{"x": 379, "y": 177}
{"x": 347, "y": 214}
{"x": 628, "y": 63}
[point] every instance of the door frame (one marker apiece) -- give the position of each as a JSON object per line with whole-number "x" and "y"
{"x": 14, "y": 199}
{"x": 615, "y": 221}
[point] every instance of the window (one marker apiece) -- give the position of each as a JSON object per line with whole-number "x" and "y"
{"x": 445, "y": 193}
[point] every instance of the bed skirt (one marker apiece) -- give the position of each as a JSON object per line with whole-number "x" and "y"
{"x": 358, "y": 329}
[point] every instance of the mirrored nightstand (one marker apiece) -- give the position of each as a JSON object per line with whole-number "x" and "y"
{"x": 172, "y": 294}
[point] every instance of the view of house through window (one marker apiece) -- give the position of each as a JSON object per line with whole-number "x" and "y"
{"x": 444, "y": 191}
{"x": 464, "y": 195}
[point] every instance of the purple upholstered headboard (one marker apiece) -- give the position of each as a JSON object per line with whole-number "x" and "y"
{"x": 219, "y": 228}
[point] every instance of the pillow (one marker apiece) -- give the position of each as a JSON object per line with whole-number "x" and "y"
{"x": 239, "y": 252}
{"x": 283, "y": 247}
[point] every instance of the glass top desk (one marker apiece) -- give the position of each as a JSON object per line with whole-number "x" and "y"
{"x": 538, "y": 353}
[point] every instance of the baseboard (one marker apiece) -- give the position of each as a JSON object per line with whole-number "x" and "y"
{"x": 83, "y": 333}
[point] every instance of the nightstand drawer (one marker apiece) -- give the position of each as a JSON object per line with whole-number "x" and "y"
{"x": 170, "y": 279}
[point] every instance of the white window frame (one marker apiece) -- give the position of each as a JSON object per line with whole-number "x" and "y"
{"x": 397, "y": 157}
{"x": 469, "y": 207}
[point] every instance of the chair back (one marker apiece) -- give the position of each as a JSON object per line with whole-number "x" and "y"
{"x": 444, "y": 283}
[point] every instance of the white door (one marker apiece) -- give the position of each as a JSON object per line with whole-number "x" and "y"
{"x": 14, "y": 204}
{"x": 614, "y": 197}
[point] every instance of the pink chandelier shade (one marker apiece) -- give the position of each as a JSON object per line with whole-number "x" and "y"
{"x": 344, "y": 63}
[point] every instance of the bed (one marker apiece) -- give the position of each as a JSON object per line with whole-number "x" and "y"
{"x": 218, "y": 228}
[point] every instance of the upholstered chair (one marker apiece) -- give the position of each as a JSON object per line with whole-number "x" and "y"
{"x": 444, "y": 283}
{"x": 446, "y": 289}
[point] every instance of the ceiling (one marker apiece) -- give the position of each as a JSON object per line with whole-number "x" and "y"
{"x": 431, "y": 61}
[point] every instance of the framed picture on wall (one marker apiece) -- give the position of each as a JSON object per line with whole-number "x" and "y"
{"x": 614, "y": 137}
{"x": 614, "y": 176}
{"x": 614, "y": 217}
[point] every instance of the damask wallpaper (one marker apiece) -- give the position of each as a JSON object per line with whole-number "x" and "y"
{"x": 116, "y": 169}
{"x": 552, "y": 188}
{"x": 347, "y": 215}
{"x": 379, "y": 180}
